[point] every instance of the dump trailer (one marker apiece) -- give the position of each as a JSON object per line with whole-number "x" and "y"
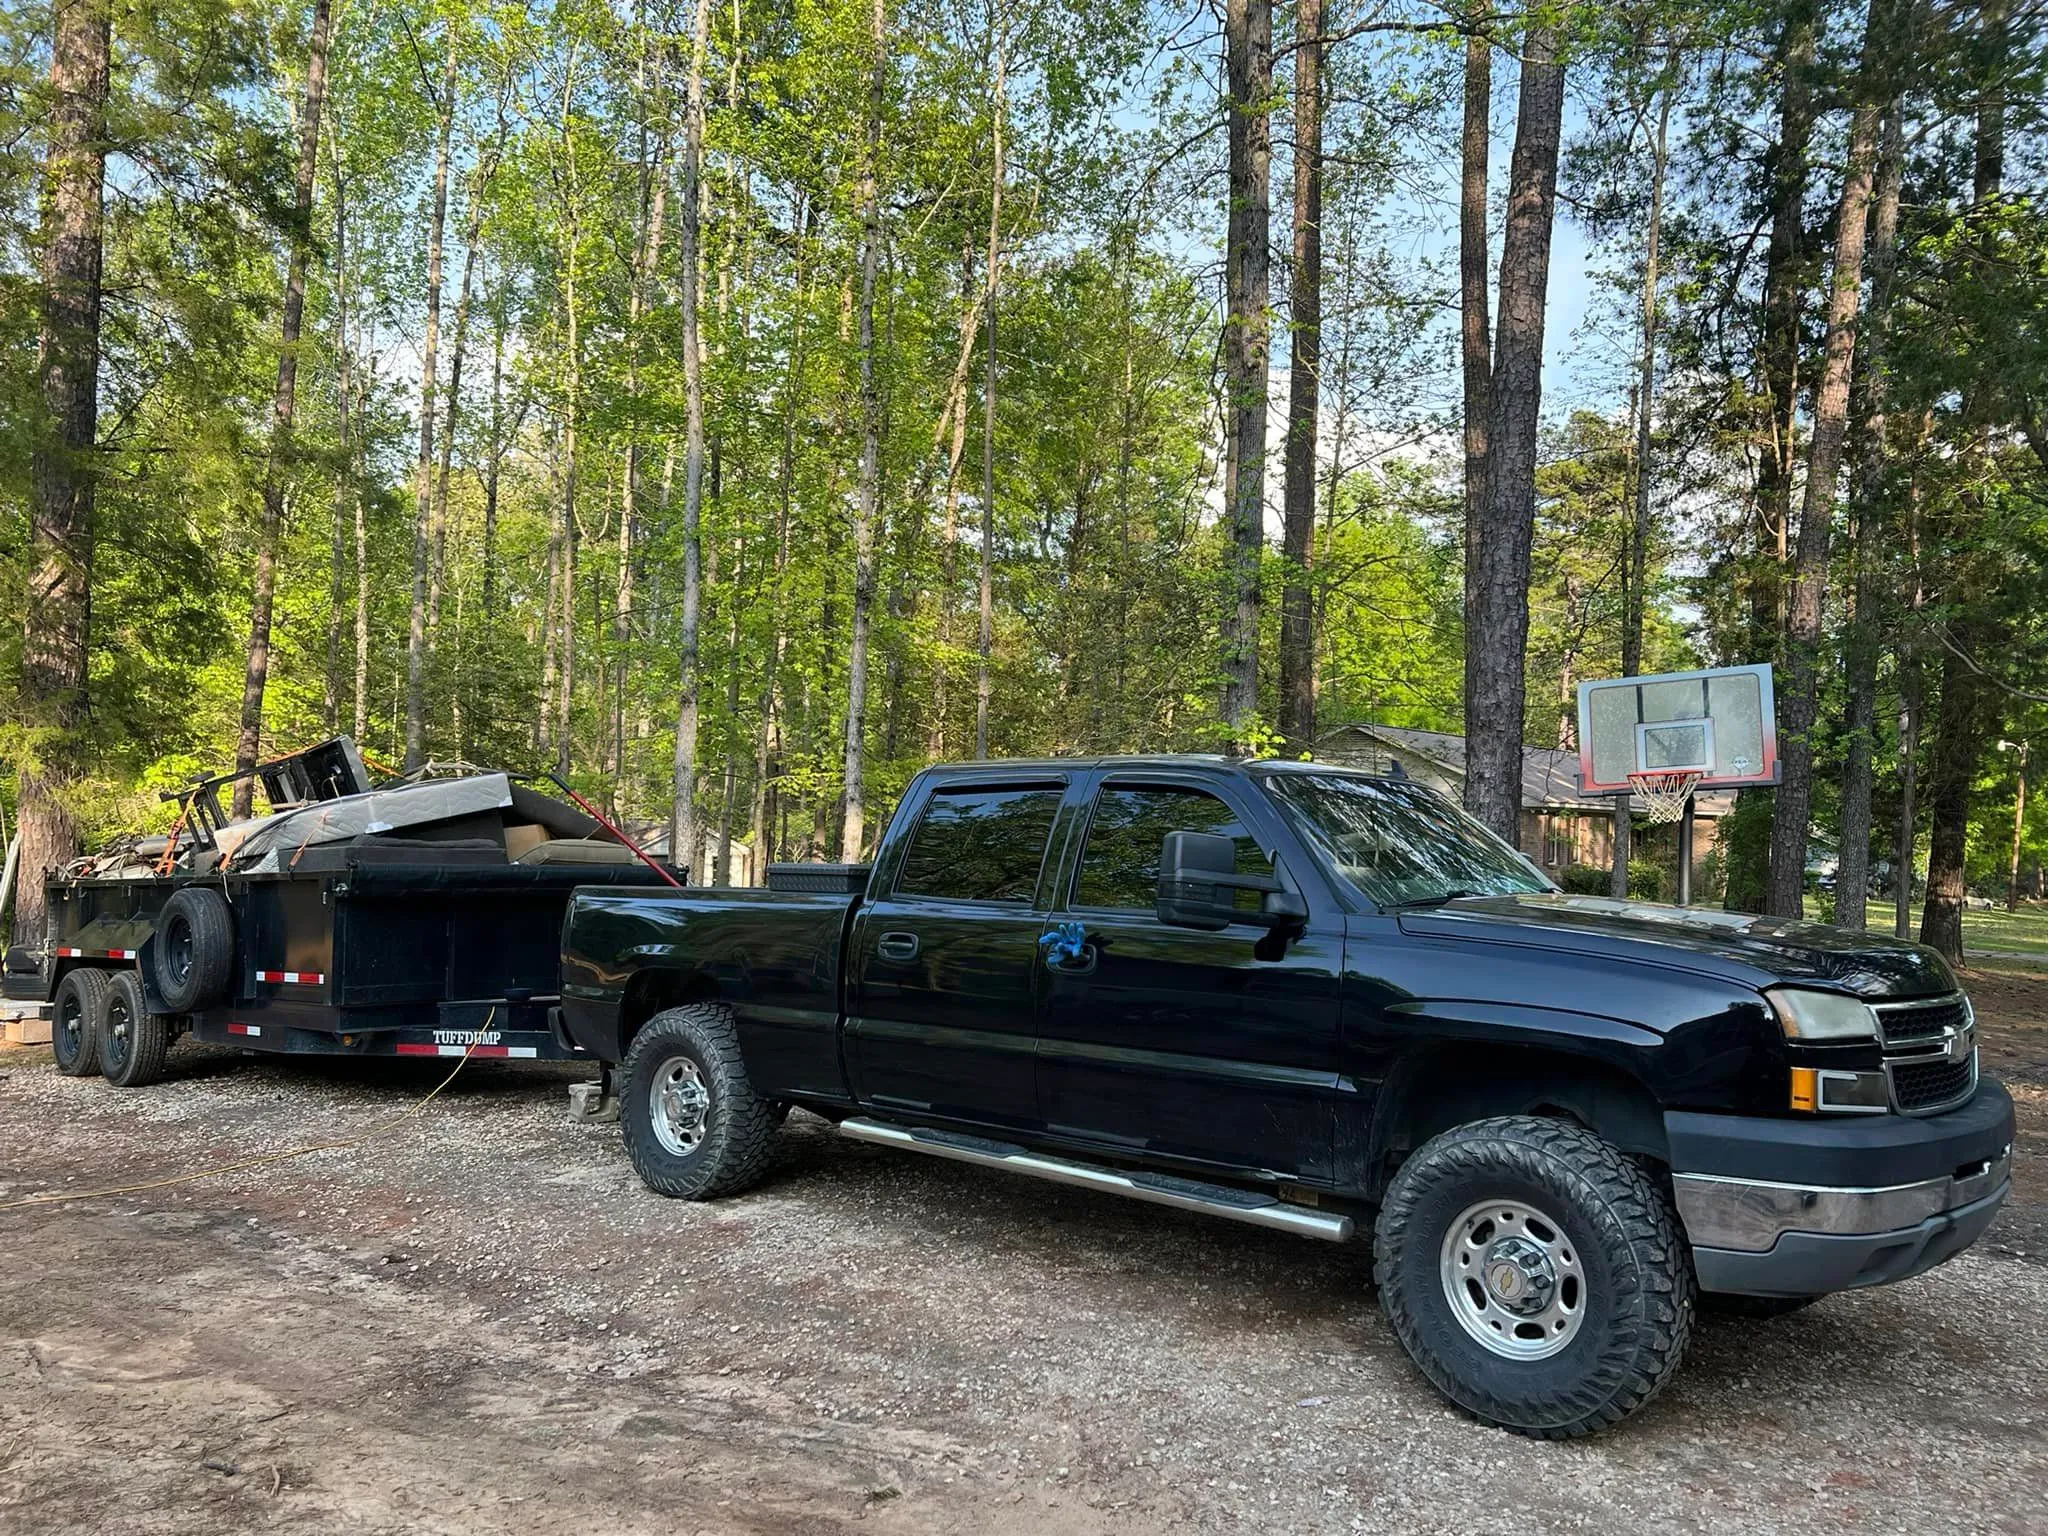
{"x": 415, "y": 918}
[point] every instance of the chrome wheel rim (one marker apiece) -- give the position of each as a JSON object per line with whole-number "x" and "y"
{"x": 1513, "y": 1280}
{"x": 680, "y": 1104}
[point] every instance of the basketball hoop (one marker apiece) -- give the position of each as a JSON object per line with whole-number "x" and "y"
{"x": 1664, "y": 791}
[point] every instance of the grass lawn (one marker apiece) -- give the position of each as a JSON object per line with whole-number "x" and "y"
{"x": 2024, "y": 932}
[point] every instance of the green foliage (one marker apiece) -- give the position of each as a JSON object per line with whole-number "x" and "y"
{"x": 1746, "y": 848}
{"x": 1586, "y": 880}
{"x": 1648, "y": 880}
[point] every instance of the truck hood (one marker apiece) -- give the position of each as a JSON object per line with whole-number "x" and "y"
{"x": 1758, "y": 951}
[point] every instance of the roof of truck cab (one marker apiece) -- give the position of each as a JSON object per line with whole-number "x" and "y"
{"x": 1145, "y": 760}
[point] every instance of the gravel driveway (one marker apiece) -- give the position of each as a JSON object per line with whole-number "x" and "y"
{"x": 483, "y": 1323}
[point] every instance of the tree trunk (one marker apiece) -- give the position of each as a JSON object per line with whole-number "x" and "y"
{"x": 1305, "y": 316}
{"x": 1959, "y": 731}
{"x": 853, "y": 830}
{"x": 1867, "y": 501}
{"x": 650, "y": 207}
{"x": 57, "y": 612}
{"x": 984, "y": 683}
{"x": 1799, "y": 697}
{"x": 345, "y": 485}
{"x": 767, "y": 741}
{"x": 1785, "y": 264}
{"x": 362, "y": 677}
{"x": 685, "y": 831}
{"x": 1248, "y": 51}
{"x": 480, "y": 180}
{"x": 1961, "y": 725}
{"x": 1476, "y": 335}
{"x": 1636, "y": 570}
{"x": 423, "y": 475}
{"x": 1497, "y": 640}
{"x": 952, "y": 435}
{"x": 283, "y": 406}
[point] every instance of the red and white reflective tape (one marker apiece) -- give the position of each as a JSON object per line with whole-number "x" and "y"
{"x": 245, "y": 1029}
{"x": 93, "y": 954}
{"x": 293, "y": 978}
{"x": 405, "y": 1049}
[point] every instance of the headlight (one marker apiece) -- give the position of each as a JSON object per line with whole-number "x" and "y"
{"x": 1821, "y": 1016}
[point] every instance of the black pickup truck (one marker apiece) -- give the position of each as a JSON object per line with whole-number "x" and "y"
{"x": 1324, "y": 1002}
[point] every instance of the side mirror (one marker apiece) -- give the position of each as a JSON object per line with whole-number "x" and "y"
{"x": 1199, "y": 882}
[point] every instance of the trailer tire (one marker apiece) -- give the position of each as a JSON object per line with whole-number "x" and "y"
{"x": 75, "y": 1021}
{"x": 133, "y": 1041}
{"x": 194, "y": 953}
{"x": 693, "y": 1125}
{"x": 1535, "y": 1275}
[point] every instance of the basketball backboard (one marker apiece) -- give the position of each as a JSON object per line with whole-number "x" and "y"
{"x": 1721, "y": 722}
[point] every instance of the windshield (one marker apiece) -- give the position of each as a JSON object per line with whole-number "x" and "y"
{"x": 1401, "y": 844}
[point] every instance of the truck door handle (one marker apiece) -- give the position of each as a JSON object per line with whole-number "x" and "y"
{"x": 897, "y": 946}
{"x": 1070, "y": 949}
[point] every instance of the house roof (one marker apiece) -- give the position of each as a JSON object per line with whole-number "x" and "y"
{"x": 1550, "y": 775}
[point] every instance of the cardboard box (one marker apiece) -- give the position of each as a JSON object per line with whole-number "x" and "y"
{"x": 524, "y": 838}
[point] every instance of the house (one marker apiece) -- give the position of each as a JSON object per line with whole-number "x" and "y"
{"x": 1560, "y": 825}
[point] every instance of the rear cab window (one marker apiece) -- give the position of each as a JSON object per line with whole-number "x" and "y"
{"x": 1119, "y": 866}
{"x": 980, "y": 843}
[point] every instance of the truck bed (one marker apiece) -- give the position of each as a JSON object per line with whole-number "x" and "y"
{"x": 774, "y": 955}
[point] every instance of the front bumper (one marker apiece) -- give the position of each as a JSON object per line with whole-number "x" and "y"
{"x": 1807, "y": 1207}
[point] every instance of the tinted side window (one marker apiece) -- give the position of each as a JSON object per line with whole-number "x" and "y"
{"x": 979, "y": 844}
{"x": 1120, "y": 862}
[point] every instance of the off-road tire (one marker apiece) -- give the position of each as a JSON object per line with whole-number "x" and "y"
{"x": 1755, "y": 1309}
{"x": 193, "y": 956}
{"x": 75, "y": 1021}
{"x": 133, "y": 1041}
{"x": 1639, "y": 1283}
{"x": 738, "y": 1127}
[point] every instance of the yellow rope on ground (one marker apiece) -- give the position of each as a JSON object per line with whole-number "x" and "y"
{"x": 269, "y": 1157}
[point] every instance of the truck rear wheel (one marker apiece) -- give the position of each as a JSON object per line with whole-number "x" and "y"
{"x": 194, "y": 954}
{"x": 694, "y": 1127}
{"x": 75, "y": 1021}
{"x": 133, "y": 1041}
{"x": 1535, "y": 1275}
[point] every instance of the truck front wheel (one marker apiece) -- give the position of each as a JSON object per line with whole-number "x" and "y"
{"x": 1535, "y": 1275}
{"x": 694, "y": 1127}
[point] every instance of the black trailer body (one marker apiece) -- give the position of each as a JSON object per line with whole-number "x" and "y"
{"x": 421, "y": 917}
{"x": 373, "y": 959}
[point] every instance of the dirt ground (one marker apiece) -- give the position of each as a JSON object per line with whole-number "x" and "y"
{"x": 482, "y": 1323}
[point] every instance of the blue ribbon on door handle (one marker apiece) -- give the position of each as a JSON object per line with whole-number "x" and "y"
{"x": 1068, "y": 941}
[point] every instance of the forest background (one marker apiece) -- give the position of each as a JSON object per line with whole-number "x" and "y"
{"x": 734, "y": 405}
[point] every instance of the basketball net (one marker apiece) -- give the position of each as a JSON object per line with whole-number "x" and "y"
{"x": 1665, "y": 791}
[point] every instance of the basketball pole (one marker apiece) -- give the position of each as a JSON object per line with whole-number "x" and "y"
{"x": 1685, "y": 854}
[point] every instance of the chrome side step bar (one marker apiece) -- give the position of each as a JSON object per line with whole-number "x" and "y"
{"x": 1156, "y": 1188}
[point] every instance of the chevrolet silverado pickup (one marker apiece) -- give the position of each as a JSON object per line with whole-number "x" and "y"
{"x": 1333, "y": 1005}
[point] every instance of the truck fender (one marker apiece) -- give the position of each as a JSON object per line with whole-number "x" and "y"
{"x": 1499, "y": 1059}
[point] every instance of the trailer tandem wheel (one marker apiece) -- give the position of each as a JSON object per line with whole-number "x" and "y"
{"x": 133, "y": 1041}
{"x": 75, "y": 1021}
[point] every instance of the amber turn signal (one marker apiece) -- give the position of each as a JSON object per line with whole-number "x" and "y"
{"x": 1806, "y": 1089}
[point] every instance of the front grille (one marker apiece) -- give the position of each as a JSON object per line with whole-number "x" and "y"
{"x": 1932, "y": 1082}
{"x": 1910, "y": 1023}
